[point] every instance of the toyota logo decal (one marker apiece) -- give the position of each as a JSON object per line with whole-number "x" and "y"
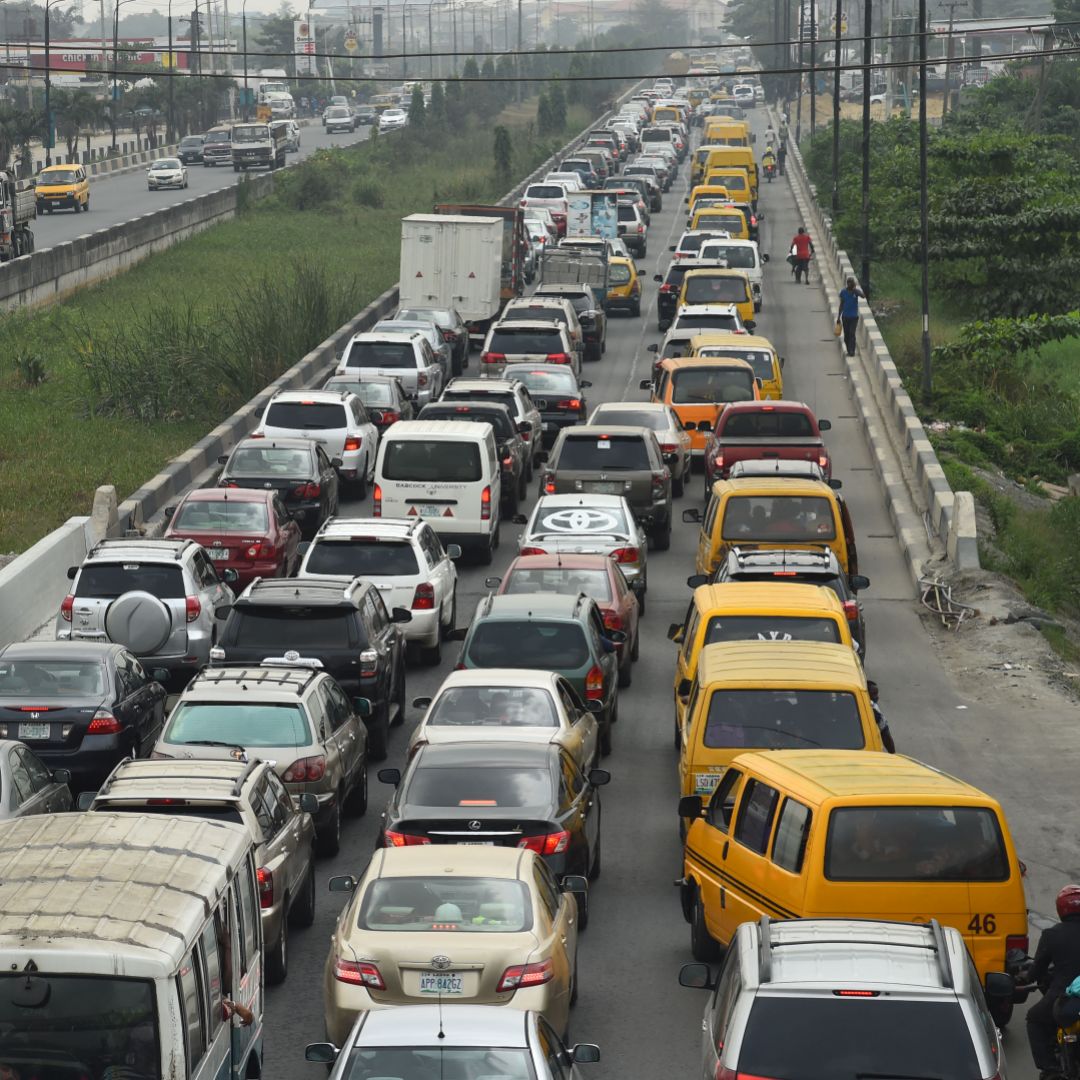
{"x": 474, "y": 825}
{"x": 440, "y": 963}
{"x": 581, "y": 519}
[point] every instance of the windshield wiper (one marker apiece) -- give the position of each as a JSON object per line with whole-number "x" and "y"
{"x": 214, "y": 742}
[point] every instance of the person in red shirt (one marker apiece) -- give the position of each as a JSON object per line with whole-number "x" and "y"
{"x": 802, "y": 251}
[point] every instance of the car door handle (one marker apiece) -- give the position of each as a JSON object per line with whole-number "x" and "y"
{"x": 563, "y": 939}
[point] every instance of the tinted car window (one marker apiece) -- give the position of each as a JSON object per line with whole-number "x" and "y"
{"x": 480, "y": 786}
{"x": 697, "y": 385}
{"x": 223, "y": 516}
{"x": 429, "y": 460}
{"x": 716, "y": 290}
{"x": 707, "y": 321}
{"x": 530, "y": 644}
{"x": 381, "y": 354}
{"x": 828, "y": 1037}
{"x": 504, "y": 428}
{"x": 281, "y": 628}
{"x": 570, "y": 582}
{"x": 499, "y": 706}
{"x": 545, "y": 191}
{"x": 507, "y": 339}
{"x": 627, "y": 213}
{"x": 257, "y": 724}
{"x": 361, "y": 558}
{"x": 779, "y": 517}
{"x": 646, "y": 418}
{"x": 318, "y": 416}
{"x": 109, "y": 580}
{"x": 618, "y": 274}
{"x": 548, "y": 382}
{"x": 784, "y": 719}
{"x": 770, "y": 628}
{"x": 270, "y": 462}
{"x": 617, "y": 452}
{"x": 735, "y": 255}
{"x": 52, "y": 678}
{"x": 474, "y": 905}
{"x": 781, "y": 425}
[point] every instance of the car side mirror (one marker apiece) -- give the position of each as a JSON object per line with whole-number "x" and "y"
{"x": 62, "y": 776}
{"x": 160, "y": 675}
{"x": 836, "y": 485}
{"x": 222, "y": 611}
{"x": 459, "y": 633}
{"x": 824, "y": 425}
{"x": 85, "y": 800}
{"x": 782, "y": 363}
{"x": 72, "y": 571}
{"x": 585, "y": 1053}
{"x": 672, "y": 247}
{"x": 696, "y": 977}
{"x": 692, "y": 516}
{"x": 645, "y": 384}
{"x": 683, "y": 689}
{"x": 653, "y": 348}
{"x": 168, "y": 512}
{"x": 421, "y": 702}
{"x": 400, "y": 615}
{"x": 343, "y": 883}
{"x": 584, "y": 384}
{"x": 453, "y": 551}
{"x": 336, "y": 462}
{"x": 321, "y": 1053}
{"x": 690, "y": 806}
{"x": 389, "y": 776}
{"x": 704, "y": 425}
{"x": 519, "y": 519}
{"x": 764, "y": 258}
{"x": 750, "y": 324}
{"x": 594, "y": 706}
{"x": 543, "y": 457}
{"x": 575, "y": 883}
{"x": 303, "y": 547}
{"x": 308, "y": 803}
{"x": 858, "y": 582}
{"x": 376, "y": 417}
{"x": 223, "y": 459}
{"x": 524, "y": 428}
{"x": 675, "y": 632}
{"x": 362, "y": 707}
{"x": 599, "y": 777}
{"x": 998, "y": 986}
{"x": 230, "y": 577}
{"x": 658, "y": 278}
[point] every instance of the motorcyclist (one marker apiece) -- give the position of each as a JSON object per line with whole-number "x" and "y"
{"x": 1056, "y": 964}
{"x": 768, "y": 159}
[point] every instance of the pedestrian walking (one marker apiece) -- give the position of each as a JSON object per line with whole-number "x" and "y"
{"x": 848, "y": 315}
{"x": 781, "y": 156}
{"x": 802, "y": 251}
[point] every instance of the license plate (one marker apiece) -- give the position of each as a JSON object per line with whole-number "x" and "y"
{"x": 705, "y": 783}
{"x": 34, "y": 731}
{"x": 440, "y": 982}
{"x": 218, "y": 554}
{"x": 477, "y": 843}
{"x": 604, "y": 488}
{"x": 430, "y": 510}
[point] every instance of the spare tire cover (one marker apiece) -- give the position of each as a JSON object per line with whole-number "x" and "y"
{"x": 140, "y": 621}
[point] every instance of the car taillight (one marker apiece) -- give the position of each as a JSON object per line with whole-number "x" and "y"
{"x": 309, "y": 491}
{"x": 668, "y": 288}
{"x": 525, "y": 975}
{"x": 376, "y": 500}
{"x": 492, "y": 358}
{"x": 823, "y": 460}
{"x": 424, "y": 598}
{"x": 594, "y": 684}
{"x": 369, "y": 663}
{"x": 448, "y": 335}
{"x": 508, "y": 462}
{"x": 546, "y": 843}
{"x": 353, "y": 442}
{"x": 558, "y": 358}
{"x": 1016, "y": 941}
{"x": 612, "y": 621}
{"x": 573, "y": 404}
{"x": 358, "y": 973}
{"x": 668, "y": 448}
{"x": 658, "y": 480}
{"x": 261, "y": 551}
{"x": 192, "y": 608}
{"x": 626, "y": 555}
{"x": 720, "y": 462}
{"x": 65, "y": 607}
{"x": 421, "y": 379}
{"x": 548, "y": 483}
{"x": 851, "y": 610}
{"x": 485, "y": 504}
{"x": 265, "y": 879}
{"x": 305, "y": 770}
{"x": 640, "y": 229}
{"x": 400, "y": 839}
{"x": 257, "y": 435}
{"x": 532, "y": 551}
{"x": 390, "y": 417}
{"x": 103, "y": 723}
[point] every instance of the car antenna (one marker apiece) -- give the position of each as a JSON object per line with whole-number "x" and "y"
{"x": 442, "y": 1034}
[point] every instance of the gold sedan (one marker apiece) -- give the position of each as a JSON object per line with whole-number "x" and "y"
{"x": 458, "y": 923}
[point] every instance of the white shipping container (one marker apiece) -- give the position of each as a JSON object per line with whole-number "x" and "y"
{"x": 452, "y": 261}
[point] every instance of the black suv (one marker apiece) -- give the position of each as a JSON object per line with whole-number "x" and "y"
{"x": 590, "y": 313}
{"x": 509, "y": 443}
{"x": 667, "y": 301}
{"x": 800, "y": 566}
{"x": 338, "y": 624}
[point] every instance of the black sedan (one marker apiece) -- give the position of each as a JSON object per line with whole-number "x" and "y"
{"x": 498, "y": 793}
{"x": 298, "y": 469}
{"x": 79, "y": 706}
{"x": 383, "y": 397}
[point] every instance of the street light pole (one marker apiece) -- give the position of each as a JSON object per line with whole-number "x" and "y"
{"x": 430, "y": 43}
{"x": 836, "y": 113}
{"x": 48, "y": 87}
{"x": 243, "y": 23}
{"x": 170, "y": 135}
{"x": 924, "y": 213}
{"x": 404, "y": 45}
{"x": 867, "y": 59}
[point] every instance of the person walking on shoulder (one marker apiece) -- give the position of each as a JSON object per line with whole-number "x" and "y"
{"x": 802, "y": 251}
{"x": 848, "y": 314}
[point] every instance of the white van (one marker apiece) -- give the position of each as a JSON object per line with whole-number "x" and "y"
{"x": 445, "y": 472}
{"x": 125, "y": 940}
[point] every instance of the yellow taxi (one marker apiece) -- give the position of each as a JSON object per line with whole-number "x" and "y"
{"x": 773, "y": 512}
{"x": 731, "y": 133}
{"x": 63, "y": 187}
{"x": 624, "y": 287}
{"x": 741, "y": 157}
{"x": 748, "y": 611}
{"x": 726, "y": 219}
{"x": 718, "y": 286}
{"x": 842, "y": 834}
{"x": 734, "y": 178}
{"x": 758, "y": 352}
{"x": 706, "y": 191}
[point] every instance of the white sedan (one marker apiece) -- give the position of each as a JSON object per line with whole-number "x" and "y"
{"x": 167, "y": 172}
{"x": 392, "y": 119}
{"x": 516, "y": 704}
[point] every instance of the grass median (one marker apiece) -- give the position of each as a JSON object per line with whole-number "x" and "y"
{"x": 109, "y": 384}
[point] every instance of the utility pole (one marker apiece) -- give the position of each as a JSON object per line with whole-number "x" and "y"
{"x": 799, "y": 92}
{"x": 786, "y": 54}
{"x": 813, "y": 68}
{"x": 867, "y": 68}
{"x": 517, "y": 59}
{"x": 952, "y": 5}
{"x": 924, "y": 214}
{"x": 839, "y": 16}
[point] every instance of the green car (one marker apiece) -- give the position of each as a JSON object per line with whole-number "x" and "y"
{"x": 564, "y": 634}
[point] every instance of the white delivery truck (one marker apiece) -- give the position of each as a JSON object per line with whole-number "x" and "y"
{"x": 452, "y": 261}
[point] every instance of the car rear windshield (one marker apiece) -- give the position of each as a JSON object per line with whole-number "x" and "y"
{"x": 506, "y": 398}
{"x": 715, "y": 290}
{"x": 772, "y": 424}
{"x": 221, "y": 516}
{"x": 177, "y": 808}
{"x": 449, "y": 462}
{"x": 784, "y": 719}
{"x": 479, "y": 786}
{"x": 395, "y": 355}
{"x": 760, "y": 361}
{"x": 844, "y": 1038}
{"x": 237, "y": 723}
{"x": 507, "y": 339}
{"x": 547, "y": 382}
{"x": 271, "y": 462}
{"x": 915, "y": 843}
{"x": 605, "y": 452}
{"x": 807, "y": 519}
{"x": 471, "y": 905}
{"x": 737, "y": 256}
{"x": 362, "y": 557}
{"x": 731, "y": 223}
{"x": 710, "y": 385}
{"x": 277, "y": 629}
{"x": 191, "y": 140}
{"x": 562, "y": 580}
{"x": 692, "y": 242}
{"x": 618, "y": 274}
{"x": 373, "y": 393}
{"x": 74, "y": 1026}
{"x": 504, "y": 428}
{"x": 421, "y": 1061}
{"x": 559, "y": 520}
{"x": 48, "y": 678}
{"x": 493, "y": 706}
{"x": 627, "y": 212}
{"x": 545, "y": 191}
{"x": 431, "y": 315}
{"x": 315, "y": 416}
{"x": 646, "y": 418}
{"x": 549, "y": 646}
{"x": 537, "y": 313}
{"x": 730, "y": 181}
{"x": 110, "y": 580}
{"x": 770, "y": 628}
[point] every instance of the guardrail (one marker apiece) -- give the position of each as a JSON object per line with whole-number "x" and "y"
{"x": 892, "y": 426}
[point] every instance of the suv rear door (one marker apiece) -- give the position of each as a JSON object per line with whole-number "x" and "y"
{"x": 395, "y": 358}
{"x": 326, "y": 422}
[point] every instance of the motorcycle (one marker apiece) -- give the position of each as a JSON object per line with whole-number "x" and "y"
{"x": 770, "y": 172}
{"x": 1066, "y": 1014}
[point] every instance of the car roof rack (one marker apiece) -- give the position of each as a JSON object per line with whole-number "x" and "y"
{"x": 237, "y": 783}
{"x": 299, "y": 678}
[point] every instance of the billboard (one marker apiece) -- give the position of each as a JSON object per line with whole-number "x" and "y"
{"x": 304, "y": 47}
{"x": 592, "y": 213}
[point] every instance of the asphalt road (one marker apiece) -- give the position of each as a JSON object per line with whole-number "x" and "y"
{"x": 630, "y": 1002}
{"x": 125, "y": 195}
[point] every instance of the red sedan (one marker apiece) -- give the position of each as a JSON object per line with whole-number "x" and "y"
{"x": 597, "y": 576}
{"x": 242, "y": 529}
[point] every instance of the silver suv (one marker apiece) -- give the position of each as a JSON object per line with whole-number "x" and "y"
{"x": 160, "y": 599}
{"x": 297, "y": 718}
{"x": 825, "y": 998}
{"x": 247, "y": 793}
{"x": 408, "y": 356}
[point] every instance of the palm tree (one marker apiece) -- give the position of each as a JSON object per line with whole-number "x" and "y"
{"x": 75, "y": 111}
